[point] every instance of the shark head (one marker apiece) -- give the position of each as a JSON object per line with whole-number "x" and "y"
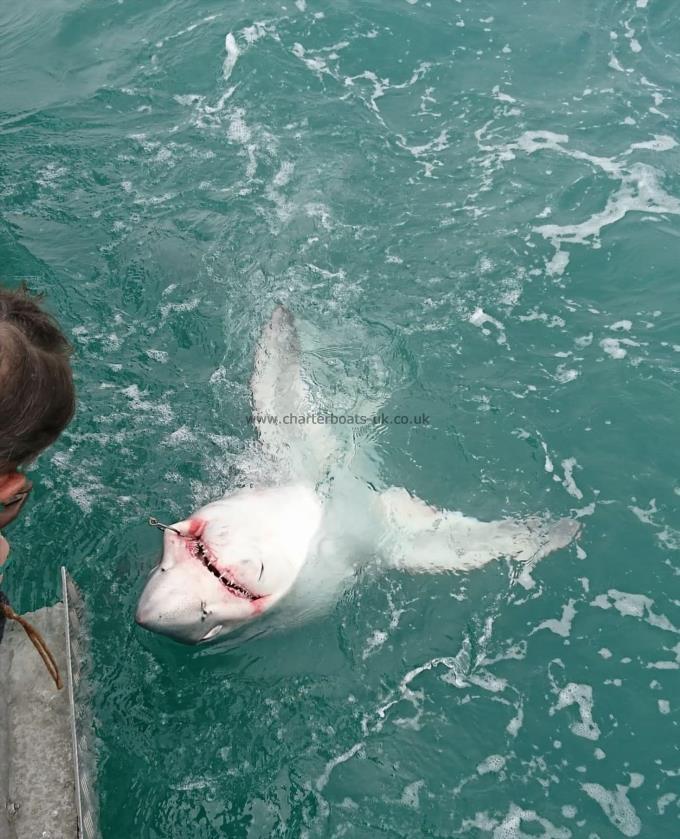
{"x": 229, "y": 563}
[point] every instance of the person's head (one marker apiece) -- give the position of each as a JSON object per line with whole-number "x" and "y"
{"x": 37, "y": 397}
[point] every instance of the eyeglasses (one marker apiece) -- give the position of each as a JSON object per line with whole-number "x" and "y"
{"x": 9, "y": 510}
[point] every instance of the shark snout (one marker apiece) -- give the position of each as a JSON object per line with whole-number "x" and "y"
{"x": 175, "y": 601}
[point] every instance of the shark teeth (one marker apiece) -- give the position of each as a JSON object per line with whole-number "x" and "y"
{"x": 202, "y": 555}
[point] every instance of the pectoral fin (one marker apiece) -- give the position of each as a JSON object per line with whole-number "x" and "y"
{"x": 283, "y": 412}
{"x": 422, "y": 538}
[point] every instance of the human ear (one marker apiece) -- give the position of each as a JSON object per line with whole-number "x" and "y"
{"x": 10, "y": 484}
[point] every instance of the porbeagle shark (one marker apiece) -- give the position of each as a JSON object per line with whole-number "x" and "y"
{"x": 274, "y": 555}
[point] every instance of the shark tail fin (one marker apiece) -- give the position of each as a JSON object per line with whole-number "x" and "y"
{"x": 425, "y": 539}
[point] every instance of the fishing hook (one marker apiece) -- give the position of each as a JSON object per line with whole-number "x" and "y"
{"x": 155, "y": 523}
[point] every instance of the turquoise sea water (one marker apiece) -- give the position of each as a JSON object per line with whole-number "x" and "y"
{"x": 473, "y": 208}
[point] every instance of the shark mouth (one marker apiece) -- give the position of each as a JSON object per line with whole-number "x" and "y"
{"x": 200, "y": 551}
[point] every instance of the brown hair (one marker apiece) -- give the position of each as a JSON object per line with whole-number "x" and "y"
{"x": 37, "y": 397}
